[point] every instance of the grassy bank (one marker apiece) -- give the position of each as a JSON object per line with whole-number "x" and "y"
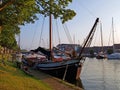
{"x": 12, "y": 78}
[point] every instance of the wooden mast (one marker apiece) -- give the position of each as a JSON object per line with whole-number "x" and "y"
{"x": 50, "y": 32}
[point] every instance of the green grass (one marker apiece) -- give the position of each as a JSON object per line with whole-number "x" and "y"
{"x": 12, "y": 78}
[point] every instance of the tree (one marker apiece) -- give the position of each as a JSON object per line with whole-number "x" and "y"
{"x": 14, "y": 13}
{"x": 109, "y": 51}
{"x": 57, "y": 8}
{"x": 7, "y": 39}
{"x": 91, "y": 53}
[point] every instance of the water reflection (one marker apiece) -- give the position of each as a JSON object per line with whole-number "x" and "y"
{"x": 79, "y": 83}
{"x": 100, "y": 74}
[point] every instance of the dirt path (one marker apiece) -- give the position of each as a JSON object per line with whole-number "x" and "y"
{"x": 55, "y": 83}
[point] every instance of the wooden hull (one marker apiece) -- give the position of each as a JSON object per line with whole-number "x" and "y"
{"x": 58, "y": 69}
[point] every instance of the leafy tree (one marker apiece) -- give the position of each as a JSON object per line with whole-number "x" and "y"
{"x": 109, "y": 51}
{"x": 7, "y": 39}
{"x": 91, "y": 53}
{"x": 57, "y": 8}
{"x": 14, "y": 13}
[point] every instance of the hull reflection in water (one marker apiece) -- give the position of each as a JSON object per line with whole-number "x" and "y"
{"x": 101, "y": 74}
{"x": 79, "y": 83}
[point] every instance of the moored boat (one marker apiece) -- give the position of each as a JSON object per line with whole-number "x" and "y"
{"x": 33, "y": 58}
{"x": 101, "y": 55}
{"x": 66, "y": 69}
{"x": 114, "y": 56}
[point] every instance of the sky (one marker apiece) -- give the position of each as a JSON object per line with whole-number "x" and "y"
{"x": 86, "y": 13}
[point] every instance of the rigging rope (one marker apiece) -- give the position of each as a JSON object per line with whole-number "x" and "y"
{"x": 67, "y": 33}
{"x": 33, "y": 36}
{"x": 90, "y": 40}
{"x": 58, "y": 32}
{"x": 89, "y": 37}
{"x": 41, "y": 31}
{"x": 96, "y": 35}
{"x": 90, "y": 12}
{"x": 109, "y": 38}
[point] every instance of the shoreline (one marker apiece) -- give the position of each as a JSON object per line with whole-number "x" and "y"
{"x": 55, "y": 83}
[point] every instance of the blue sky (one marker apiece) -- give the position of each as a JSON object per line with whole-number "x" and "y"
{"x": 79, "y": 26}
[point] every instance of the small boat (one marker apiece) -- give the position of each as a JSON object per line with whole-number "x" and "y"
{"x": 33, "y": 58}
{"x": 114, "y": 56}
{"x": 101, "y": 54}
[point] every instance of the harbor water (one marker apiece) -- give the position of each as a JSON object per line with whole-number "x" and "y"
{"x": 100, "y": 74}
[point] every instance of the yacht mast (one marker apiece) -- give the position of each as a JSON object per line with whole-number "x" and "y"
{"x": 113, "y": 35}
{"x": 101, "y": 37}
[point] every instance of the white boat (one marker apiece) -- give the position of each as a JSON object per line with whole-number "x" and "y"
{"x": 101, "y": 54}
{"x": 33, "y": 58}
{"x": 114, "y": 56}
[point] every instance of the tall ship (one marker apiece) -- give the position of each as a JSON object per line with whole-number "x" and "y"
{"x": 64, "y": 66}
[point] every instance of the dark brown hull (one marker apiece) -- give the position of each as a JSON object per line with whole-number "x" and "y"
{"x": 58, "y": 69}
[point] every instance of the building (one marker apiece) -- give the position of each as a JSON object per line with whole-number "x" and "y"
{"x": 117, "y": 47}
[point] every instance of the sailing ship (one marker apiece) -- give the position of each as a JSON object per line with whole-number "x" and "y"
{"x": 101, "y": 54}
{"x": 68, "y": 70}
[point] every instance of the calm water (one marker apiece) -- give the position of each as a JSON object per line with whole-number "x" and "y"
{"x": 101, "y": 74}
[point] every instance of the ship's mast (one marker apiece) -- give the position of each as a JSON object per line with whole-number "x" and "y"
{"x": 101, "y": 37}
{"x": 113, "y": 35}
{"x": 50, "y": 31}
